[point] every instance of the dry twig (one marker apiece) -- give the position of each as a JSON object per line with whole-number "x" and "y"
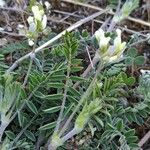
{"x": 139, "y": 21}
{"x": 144, "y": 139}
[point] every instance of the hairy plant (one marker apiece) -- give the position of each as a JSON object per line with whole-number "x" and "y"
{"x": 55, "y": 105}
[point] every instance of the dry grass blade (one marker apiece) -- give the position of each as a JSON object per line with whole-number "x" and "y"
{"x": 144, "y": 139}
{"x": 139, "y": 21}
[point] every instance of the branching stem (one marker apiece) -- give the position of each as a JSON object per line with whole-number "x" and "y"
{"x": 64, "y": 97}
{"x": 82, "y": 100}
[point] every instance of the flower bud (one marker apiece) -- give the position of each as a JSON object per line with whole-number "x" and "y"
{"x": 86, "y": 113}
{"x": 30, "y": 42}
{"x": 44, "y": 22}
{"x": 103, "y": 41}
{"x": 38, "y": 14}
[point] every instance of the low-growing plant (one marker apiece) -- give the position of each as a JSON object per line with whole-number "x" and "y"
{"x": 47, "y": 104}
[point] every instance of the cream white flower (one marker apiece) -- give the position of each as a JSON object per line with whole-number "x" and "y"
{"x": 30, "y": 19}
{"x": 2, "y": 3}
{"x": 38, "y": 14}
{"x": 44, "y": 22}
{"x": 119, "y": 46}
{"x": 32, "y": 25}
{"x": 30, "y": 42}
{"x": 107, "y": 52}
{"x": 102, "y": 39}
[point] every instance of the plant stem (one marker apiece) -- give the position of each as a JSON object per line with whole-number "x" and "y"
{"x": 69, "y": 135}
{"x": 28, "y": 73}
{"x": 51, "y": 146}
{"x": 31, "y": 62}
{"x": 3, "y": 126}
{"x": 65, "y": 96}
{"x": 82, "y": 100}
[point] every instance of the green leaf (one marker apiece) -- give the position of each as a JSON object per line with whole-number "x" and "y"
{"x": 111, "y": 126}
{"x": 132, "y": 139}
{"x": 52, "y": 110}
{"x": 58, "y": 77}
{"x": 10, "y": 134}
{"x": 74, "y": 92}
{"x": 76, "y": 61}
{"x": 20, "y": 118}
{"x": 129, "y": 118}
{"x": 132, "y": 52}
{"x": 32, "y": 107}
{"x": 72, "y": 99}
{"x": 76, "y": 69}
{"x": 56, "y": 85}
{"x": 129, "y": 133}
{"x": 130, "y": 81}
{"x": 68, "y": 110}
{"x": 53, "y": 96}
{"x": 85, "y": 34}
{"x": 38, "y": 63}
{"x": 124, "y": 76}
{"x": 30, "y": 135}
{"x": 38, "y": 94}
{"x": 139, "y": 60}
{"x": 48, "y": 126}
{"x": 133, "y": 146}
{"x": 76, "y": 78}
{"x": 99, "y": 121}
{"x": 92, "y": 128}
{"x": 140, "y": 120}
{"x": 15, "y": 46}
{"x": 120, "y": 125}
{"x": 129, "y": 61}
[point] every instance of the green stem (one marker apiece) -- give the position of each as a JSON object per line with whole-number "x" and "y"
{"x": 64, "y": 97}
{"x": 28, "y": 73}
{"x": 69, "y": 135}
{"x": 31, "y": 62}
{"x": 82, "y": 100}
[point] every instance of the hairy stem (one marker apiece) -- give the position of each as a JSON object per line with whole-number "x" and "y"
{"x": 82, "y": 100}
{"x": 28, "y": 73}
{"x": 31, "y": 62}
{"x": 64, "y": 97}
{"x": 69, "y": 135}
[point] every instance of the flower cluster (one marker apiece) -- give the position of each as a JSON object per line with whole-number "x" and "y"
{"x": 37, "y": 23}
{"x": 109, "y": 52}
{"x": 87, "y": 111}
